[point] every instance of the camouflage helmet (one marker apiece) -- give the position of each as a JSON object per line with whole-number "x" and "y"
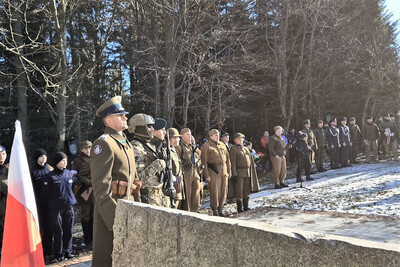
{"x": 137, "y": 125}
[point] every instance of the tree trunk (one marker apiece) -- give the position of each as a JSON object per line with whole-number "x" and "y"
{"x": 169, "y": 97}
{"x": 21, "y": 80}
{"x": 61, "y": 95}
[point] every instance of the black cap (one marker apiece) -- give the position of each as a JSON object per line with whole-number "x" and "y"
{"x": 344, "y": 119}
{"x": 59, "y": 156}
{"x": 159, "y": 123}
{"x": 333, "y": 120}
{"x": 369, "y": 117}
{"x": 39, "y": 152}
{"x": 224, "y": 134}
{"x": 303, "y": 135}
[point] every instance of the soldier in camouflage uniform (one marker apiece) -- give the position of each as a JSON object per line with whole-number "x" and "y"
{"x": 150, "y": 164}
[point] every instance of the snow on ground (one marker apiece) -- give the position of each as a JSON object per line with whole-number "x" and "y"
{"x": 370, "y": 189}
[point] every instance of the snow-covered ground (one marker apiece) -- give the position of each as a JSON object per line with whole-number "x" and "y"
{"x": 370, "y": 189}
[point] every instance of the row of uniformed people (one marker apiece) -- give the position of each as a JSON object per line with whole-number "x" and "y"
{"x": 118, "y": 164}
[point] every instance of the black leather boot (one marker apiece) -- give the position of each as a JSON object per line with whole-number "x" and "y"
{"x": 86, "y": 232}
{"x": 215, "y": 212}
{"x": 239, "y": 205}
{"x": 246, "y": 204}
{"x": 220, "y": 213}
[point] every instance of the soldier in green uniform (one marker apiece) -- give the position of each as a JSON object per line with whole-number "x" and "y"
{"x": 320, "y": 137}
{"x": 84, "y": 194}
{"x": 355, "y": 137}
{"x": 149, "y": 158}
{"x": 241, "y": 172}
{"x": 112, "y": 168}
{"x": 371, "y": 136}
{"x": 388, "y": 129}
{"x": 3, "y": 190}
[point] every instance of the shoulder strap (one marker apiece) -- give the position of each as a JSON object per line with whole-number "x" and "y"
{"x": 146, "y": 146}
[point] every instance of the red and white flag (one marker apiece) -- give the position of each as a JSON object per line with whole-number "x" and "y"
{"x": 22, "y": 244}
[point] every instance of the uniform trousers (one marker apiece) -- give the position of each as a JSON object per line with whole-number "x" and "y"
{"x": 61, "y": 222}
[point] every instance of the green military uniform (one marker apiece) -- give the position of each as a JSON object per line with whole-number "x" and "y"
{"x": 355, "y": 136}
{"x": 371, "y": 136}
{"x": 192, "y": 168}
{"x": 321, "y": 144}
{"x": 240, "y": 157}
{"x": 112, "y": 167}
{"x": 217, "y": 166}
{"x": 388, "y": 129}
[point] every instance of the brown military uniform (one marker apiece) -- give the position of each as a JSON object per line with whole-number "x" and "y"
{"x": 177, "y": 172}
{"x": 240, "y": 163}
{"x": 191, "y": 164}
{"x": 112, "y": 164}
{"x": 215, "y": 154}
{"x": 312, "y": 142}
{"x": 277, "y": 147}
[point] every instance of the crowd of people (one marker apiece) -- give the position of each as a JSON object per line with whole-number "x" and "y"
{"x": 165, "y": 167}
{"x": 341, "y": 144}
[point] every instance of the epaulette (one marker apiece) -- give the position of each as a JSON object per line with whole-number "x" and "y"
{"x": 103, "y": 136}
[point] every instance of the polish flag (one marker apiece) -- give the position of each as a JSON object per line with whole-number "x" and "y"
{"x": 22, "y": 244}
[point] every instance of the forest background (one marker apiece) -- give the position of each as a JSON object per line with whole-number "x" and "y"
{"x": 244, "y": 65}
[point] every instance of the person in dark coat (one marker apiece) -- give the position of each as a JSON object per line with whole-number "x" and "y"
{"x": 59, "y": 193}
{"x": 303, "y": 157}
{"x": 84, "y": 194}
{"x": 292, "y": 151}
{"x": 38, "y": 172}
{"x": 320, "y": 136}
{"x": 334, "y": 143}
{"x": 345, "y": 143}
{"x": 371, "y": 136}
{"x": 355, "y": 136}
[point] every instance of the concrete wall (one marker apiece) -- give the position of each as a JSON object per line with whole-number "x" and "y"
{"x": 150, "y": 236}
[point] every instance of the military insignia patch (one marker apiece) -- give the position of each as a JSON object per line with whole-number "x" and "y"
{"x": 97, "y": 149}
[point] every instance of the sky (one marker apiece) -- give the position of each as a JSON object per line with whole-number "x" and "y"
{"x": 393, "y": 6}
